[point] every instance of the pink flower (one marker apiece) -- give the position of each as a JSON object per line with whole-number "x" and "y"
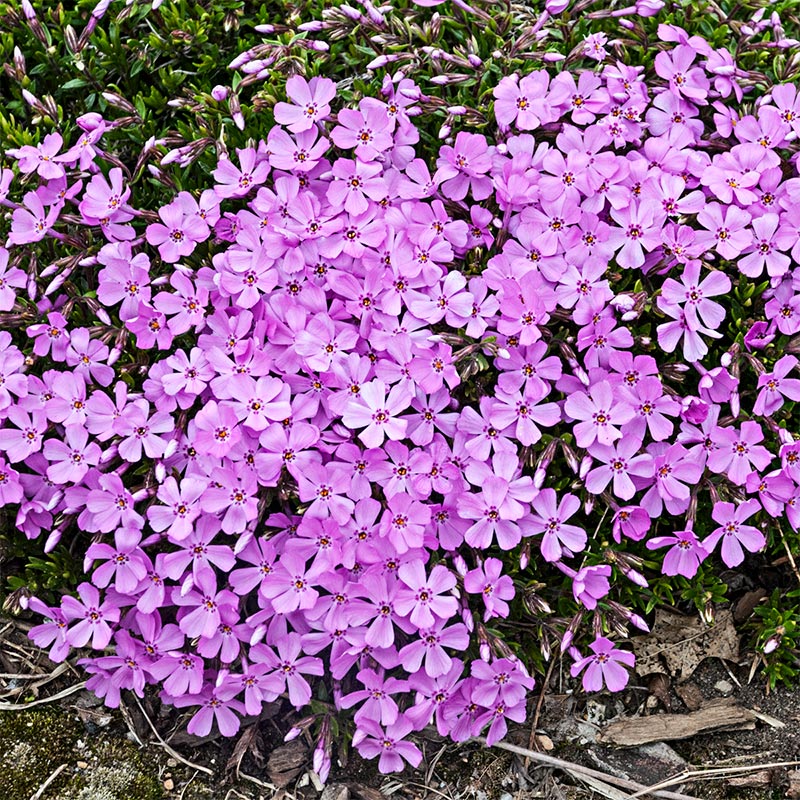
{"x": 774, "y": 386}
{"x": 10, "y": 279}
{"x": 683, "y": 79}
{"x": 372, "y": 740}
{"x": 685, "y": 555}
{"x": 549, "y": 517}
{"x": 96, "y": 618}
{"x": 31, "y": 223}
{"x": 619, "y": 462}
{"x": 521, "y": 101}
{"x": 311, "y": 103}
{"x": 106, "y": 201}
{"x": 238, "y": 181}
{"x": 494, "y": 587}
{"x": 181, "y": 231}
{"x": 41, "y": 158}
{"x": 605, "y": 666}
{"x": 738, "y": 453}
{"x": 376, "y": 412}
{"x": 217, "y": 428}
{"x": 733, "y": 533}
{"x": 367, "y": 131}
{"x": 421, "y": 595}
{"x": 599, "y": 413}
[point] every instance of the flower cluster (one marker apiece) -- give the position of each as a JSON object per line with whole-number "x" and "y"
{"x": 264, "y": 407}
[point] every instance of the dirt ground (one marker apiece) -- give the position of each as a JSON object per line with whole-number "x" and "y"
{"x": 708, "y": 717}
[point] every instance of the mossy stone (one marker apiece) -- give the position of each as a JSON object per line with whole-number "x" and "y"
{"x": 33, "y": 744}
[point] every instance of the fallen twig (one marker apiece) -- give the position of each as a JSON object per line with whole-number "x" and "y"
{"x": 579, "y": 770}
{"x": 712, "y": 773}
{"x": 24, "y": 706}
{"x": 43, "y": 788}
{"x": 174, "y": 753}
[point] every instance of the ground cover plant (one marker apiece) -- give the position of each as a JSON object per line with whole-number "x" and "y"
{"x": 397, "y": 353}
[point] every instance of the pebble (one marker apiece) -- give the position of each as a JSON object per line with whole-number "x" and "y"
{"x": 169, "y": 784}
{"x": 82, "y": 765}
{"x": 723, "y": 687}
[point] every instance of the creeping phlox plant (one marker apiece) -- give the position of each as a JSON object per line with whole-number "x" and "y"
{"x": 324, "y": 418}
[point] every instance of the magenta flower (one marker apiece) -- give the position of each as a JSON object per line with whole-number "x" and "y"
{"x": 599, "y": 413}
{"x": 733, "y": 533}
{"x": 311, "y": 103}
{"x": 619, "y": 463}
{"x": 125, "y": 562}
{"x": 181, "y": 230}
{"x": 604, "y": 666}
{"x": 774, "y": 386}
{"x": 95, "y": 618}
{"x": 494, "y": 587}
{"x": 71, "y": 457}
{"x": 10, "y": 279}
{"x": 377, "y": 413}
{"x": 372, "y": 740}
{"x": 289, "y": 667}
{"x": 590, "y": 584}
{"x": 686, "y": 553}
{"x": 41, "y": 158}
{"x": 204, "y": 602}
{"x": 31, "y": 223}
{"x": 421, "y": 595}
{"x": 216, "y": 704}
{"x": 375, "y": 698}
{"x": 549, "y": 518}
{"x": 522, "y": 101}
{"x": 738, "y": 453}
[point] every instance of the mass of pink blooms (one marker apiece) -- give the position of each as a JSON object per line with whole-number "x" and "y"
{"x": 289, "y": 468}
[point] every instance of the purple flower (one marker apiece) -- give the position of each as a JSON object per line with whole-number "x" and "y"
{"x": 311, "y": 103}
{"x": 125, "y": 562}
{"x": 685, "y": 555}
{"x": 216, "y": 703}
{"x": 549, "y": 519}
{"x": 598, "y": 413}
{"x": 774, "y": 386}
{"x": 421, "y": 595}
{"x": 494, "y": 588}
{"x": 375, "y": 698}
{"x": 738, "y": 453}
{"x": 95, "y": 618}
{"x": 372, "y": 740}
{"x": 733, "y": 533}
{"x": 181, "y": 230}
{"x": 376, "y": 412}
{"x": 604, "y": 666}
